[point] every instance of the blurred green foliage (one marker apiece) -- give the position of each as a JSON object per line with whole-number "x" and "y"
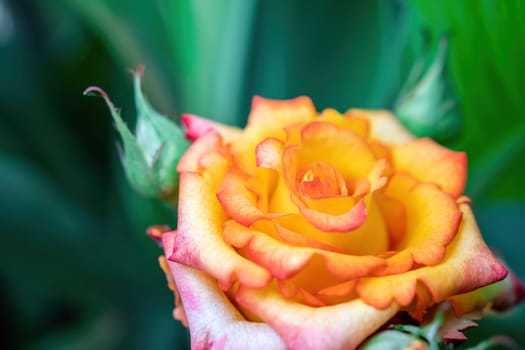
{"x": 76, "y": 270}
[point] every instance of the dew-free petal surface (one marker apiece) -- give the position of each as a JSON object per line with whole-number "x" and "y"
{"x": 302, "y": 327}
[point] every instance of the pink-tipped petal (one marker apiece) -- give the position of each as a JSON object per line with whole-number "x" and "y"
{"x": 213, "y": 321}
{"x": 195, "y": 127}
{"x": 345, "y": 222}
{"x": 284, "y": 261}
{"x": 239, "y": 202}
{"x": 302, "y": 327}
{"x": 210, "y": 142}
{"x": 468, "y": 265}
{"x": 270, "y": 114}
{"x": 199, "y": 242}
{"x": 269, "y": 153}
{"x": 500, "y": 296}
{"x": 428, "y": 161}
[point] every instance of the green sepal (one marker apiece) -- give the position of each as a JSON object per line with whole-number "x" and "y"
{"x": 426, "y": 103}
{"x": 391, "y": 340}
{"x": 409, "y": 336}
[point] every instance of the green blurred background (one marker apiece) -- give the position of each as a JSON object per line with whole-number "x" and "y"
{"x": 76, "y": 269}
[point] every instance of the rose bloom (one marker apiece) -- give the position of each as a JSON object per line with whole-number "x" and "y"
{"x": 312, "y": 230}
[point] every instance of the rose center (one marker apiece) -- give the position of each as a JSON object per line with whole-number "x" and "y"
{"x": 321, "y": 180}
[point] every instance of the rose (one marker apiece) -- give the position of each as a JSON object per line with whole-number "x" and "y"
{"x": 311, "y": 231}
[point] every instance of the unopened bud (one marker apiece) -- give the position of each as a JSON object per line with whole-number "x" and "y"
{"x": 426, "y": 104}
{"x": 150, "y": 157}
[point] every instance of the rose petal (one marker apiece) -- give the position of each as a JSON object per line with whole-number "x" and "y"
{"x": 178, "y": 313}
{"x": 296, "y": 238}
{"x": 341, "y": 148}
{"x": 347, "y": 153}
{"x": 342, "y": 326}
{"x": 213, "y": 321}
{"x": 284, "y": 261}
{"x": 268, "y": 118}
{"x": 501, "y": 296}
{"x": 338, "y": 290}
{"x": 267, "y": 114}
{"x": 370, "y": 238}
{"x": 199, "y": 242}
{"x": 345, "y": 222}
{"x": 384, "y": 127}
{"x": 209, "y": 142}
{"x": 432, "y": 220}
{"x": 358, "y": 125}
{"x": 195, "y": 127}
{"x": 394, "y": 214}
{"x": 468, "y": 265}
{"x": 428, "y": 161}
{"x": 239, "y": 202}
{"x": 269, "y": 153}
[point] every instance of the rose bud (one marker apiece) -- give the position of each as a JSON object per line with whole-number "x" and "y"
{"x": 426, "y": 105}
{"x": 149, "y": 158}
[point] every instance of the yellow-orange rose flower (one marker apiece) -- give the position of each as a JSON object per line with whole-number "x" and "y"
{"x": 310, "y": 231}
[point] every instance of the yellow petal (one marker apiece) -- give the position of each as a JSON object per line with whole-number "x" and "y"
{"x": 302, "y": 327}
{"x": 211, "y": 317}
{"x": 284, "y": 260}
{"x": 468, "y": 265}
{"x": 269, "y": 118}
{"x": 430, "y": 162}
{"x": 384, "y": 127}
{"x": 198, "y": 242}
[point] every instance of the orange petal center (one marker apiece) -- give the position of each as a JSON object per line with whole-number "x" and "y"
{"x": 321, "y": 180}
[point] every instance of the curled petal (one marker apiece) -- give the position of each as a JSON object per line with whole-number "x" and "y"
{"x": 342, "y": 148}
{"x": 345, "y": 222}
{"x": 269, "y": 153}
{"x": 284, "y": 261}
{"x": 156, "y": 232}
{"x": 347, "y": 155}
{"x": 431, "y": 220}
{"x": 468, "y": 265}
{"x": 195, "y": 126}
{"x": 199, "y": 242}
{"x": 212, "y": 319}
{"x": 190, "y": 161}
{"x": 427, "y": 161}
{"x": 343, "y": 326}
{"x": 239, "y": 202}
{"x": 370, "y": 238}
{"x": 268, "y": 118}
